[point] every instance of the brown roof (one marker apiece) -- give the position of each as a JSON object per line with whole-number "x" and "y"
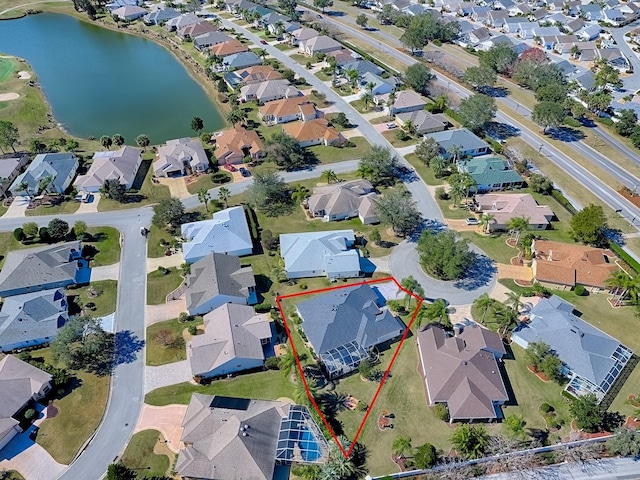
{"x": 196, "y": 29}
{"x": 257, "y": 74}
{"x": 318, "y": 128}
{"x": 287, "y": 106}
{"x": 235, "y": 140}
{"x": 462, "y": 371}
{"x": 571, "y": 264}
{"x": 228, "y": 48}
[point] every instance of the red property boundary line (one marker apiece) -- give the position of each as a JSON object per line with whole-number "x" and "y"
{"x": 347, "y": 453}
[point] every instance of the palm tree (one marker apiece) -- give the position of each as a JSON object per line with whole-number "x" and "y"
{"x": 299, "y": 194}
{"x": 105, "y": 141}
{"x": 516, "y": 225}
{"x": 142, "y": 141}
{"x": 24, "y": 187}
{"x": 439, "y": 165}
{"x": 513, "y": 300}
{"x": 215, "y": 21}
{"x": 332, "y": 402}
{"x": 438, "y": 310}
{"x": 223, "y": 196}
{"x": 391, "y": 99}
{"x": 353, "y": 77}
{"x": 485, "y": 221}
{"x": 454, "y": 153}
{"x": 203, "y": 197}
{"x": 626, "y": 286}
{"x": 411, "y": 285}
{"x": 117, "y": 139}
{"x": 506, "y": 318}
{"x": 366, "y": 98}
{"x": 456, "y": 190}
{"x": 329, "y": 176}
{"x": 409, "y": 126}
{"x": 37, "y": 146}
{"x": 236, "y": 115}
{"x": 401, "y": 446}
{"x": 44, "y": 183}
{"x": 575, "y": 51}
{"x": 279, "y": 28}
{"x": 467, "y": 182}
{"x": 484, "y": 302}
{"x": 364, "y": 170}
{"x": 304, "y": 393}
{"x": 287, "y": 364}
{"x": 441, "y": 103}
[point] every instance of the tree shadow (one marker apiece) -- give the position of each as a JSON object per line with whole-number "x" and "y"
{"x": 427, "y": 224}
{"x": 478, "y": 274}
{"x": 513, "y": 401}
{"x": 495, "y": 92}
{"x": 502, "y": 131}
{"x": 615, "y": 235}
{"x": 566, "y": 134}
{"x": 126, "y": 347}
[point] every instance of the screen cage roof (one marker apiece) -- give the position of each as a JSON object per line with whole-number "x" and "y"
{"x": 343, "y": 359}
{"x": 300, "y": 439}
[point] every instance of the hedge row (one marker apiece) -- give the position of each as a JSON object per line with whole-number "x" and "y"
{"x": 252, "y": 219}
{"x": 628, "y": 259}
{"x": 562, "y": 200}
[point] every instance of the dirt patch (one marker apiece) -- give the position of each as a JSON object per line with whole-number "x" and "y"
{"x": 4, "y": 97}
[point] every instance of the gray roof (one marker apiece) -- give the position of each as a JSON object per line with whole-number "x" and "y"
{"x": 270, "y": 88}
{"x": 40, "y": 266}
{"x": 121, "y": 165}
{"x": 161, "y": 15}
{"x": 242, "y": 60}
{"x": 56, "y": 165}
{"x": 215, "y": 447}
{"x": 362, "y": 67}
{"x": 183, "y": 20}
{"x": 230, "y": 332}
{"x": 32, "y": 316}
{"x": 19, "y": 382}
{"x": 9, "y": 165}
{"x": 460, "y": 137}
{"x": 424, "y": 120}
{"x": 586, "y": 350}
{"x": 211, "y": 38}
{"x": 349, "y": 314}
{"x": 217, "y": 274}
{"x": 175, "y": 153}
{"x": 340, "y": 198}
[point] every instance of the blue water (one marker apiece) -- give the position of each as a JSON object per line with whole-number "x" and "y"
{"x": 309, "y": 447}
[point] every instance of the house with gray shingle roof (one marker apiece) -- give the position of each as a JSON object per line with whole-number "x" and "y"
{"x": 491, "y": 174}
{"x": 340, "y": 201}
{"x": 209, "y": 39}
{"x": 43, "y": 268}
{"x": 227, "y": 232}
{"x": 423, "y": 121}
{"x": 319, "y": 254}
{"x": 217, "y": 279}
{"x": 59, "y": 168}
{"x": 32, "y": 318}
{"x": 234, "y": 340}
{"x": 20, "y": 383}
{"x": 592, "y": 359}
{"x": 181, "y": 21}
{"x": 350, "y": 319}
{"x": 121, "y": 165}
{"x": 129, "y": 12}
{"x": 160, "y": 16}
{"x": 318, "y": 44}
{"x": 469, "y": 145}
{"x": 179, "y": 157}
{"x": 10, "y": 167}
{"x": 239, "y": 60}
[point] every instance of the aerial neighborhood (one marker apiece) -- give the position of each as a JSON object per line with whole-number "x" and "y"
{"x": 333, "y": 240}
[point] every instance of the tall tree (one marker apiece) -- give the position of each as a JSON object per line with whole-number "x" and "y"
{"x": 57, "y": 229}
{"x": 438, "y": 310}
{"x": 269, "y": 194}
{"x": 412, "y": 286}
{"x": 627, "y": 121}
{"x": 476, "y": 111}
{"x": 82, "y": 344}
{"x": 587, "y": 412}
{"x": 203, "y": 197}
{"x": 418, "y": 77}
{"x": 329, "y": 176}
{"x": 381, "y": 165}
{"x": 286, "y": 152}
{"x": 480, "y": 78}
{"x": 142, "y": 141}
{"x": 9, "y": 135}
{"x": 105, "y": 141}
{"x": 197, "y": 124}
{"x": 589, "y": 226}
{"x": 517, "y": 225}
{"x": 484, "y": 302}
{"x": 427, "y": 149}
{"x": 500, "y": 57}
{"x": 223, "y": 196}
{"x": 37, "y": 146}
{"x": 168, "y": 213}
{"x": 322, "y": 4}
{"x": 117, "y": 139}
{"x": 114, "y": 190}
{"x": 470, "y": 441}
{"x": 443, "y": 255}
{"x": 397, "y": 209}
{"x": 548, "y": 114}
{"x": 362, "y": 20}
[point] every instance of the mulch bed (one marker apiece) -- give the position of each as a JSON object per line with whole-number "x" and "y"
{"x": 633, "y": 423}
{"x": 626, "y": 193}
{"x": 51, "y": 411}
{"x": 512, "y": 243}
{"x": 540, "y": 375}
{"x": 400, "y": 461}
{"x": 634, "y": 400}
{"x": 523, "y": 283}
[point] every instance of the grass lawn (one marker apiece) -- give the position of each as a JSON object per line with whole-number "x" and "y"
{"x": 392, "y": 137}
{"x": 160, "y": 285}
{"x": 343, "y": 90}
{"x": 331, "y": 154}
{"x": 301, "y": 59}
{"x": 12, "y": 475}
{"x": 154, "y": 249}
{"x": 107, "y": 242}
{"x": 494, "y": 245}
{"x": 423, "y": 171}
{"x": 458, "y": 212}
{"x": 268, "y": 385}
{"x": 331, "y": 117}
{"x": 105, "y": 302}
{"x": 140, "y": 454}
{"x": 64, "y": 208}
{"x": 204, "y": 181}
{"x": 158, "y": 354}
{"x": 323, "y": 76}
{"x": 284, "y": 47}
{"x": 80, "y": 412}
{"x": 360, "y": 106}
{"x": 7, "y": 68}
{"x": 382, "y": 119}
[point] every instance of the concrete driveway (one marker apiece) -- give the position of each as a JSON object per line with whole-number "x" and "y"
{"x": 17, "y": 208}
{"x": 30, "y": 459}
{"x": 167, "y": 420}
{"x": 164, "y": 375}
{"x": 166, "y": 311}
{"x": 174, "y": 260}
{"x": 108, "y": 272}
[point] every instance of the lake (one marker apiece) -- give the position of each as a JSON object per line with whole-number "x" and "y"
{"x": 101, "y": 82}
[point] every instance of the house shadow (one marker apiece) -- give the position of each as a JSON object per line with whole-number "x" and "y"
{"x": 478, "y": 274}
{"x": 126, "y": 347}
{"x": 263, "y": 285}
{"x": 22, "y": 441}
{"x": 513, "y": 401}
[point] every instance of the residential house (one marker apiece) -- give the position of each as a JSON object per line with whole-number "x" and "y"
{"x": 272, "y": 19}
{"x": 463, "y": 371}
{"x": 268, "y": 91}
{"x": 495, "y": 18}
{"x": 462, "y": 140}
{"x": 196, "y": 29}
{"x": 592, "y": 12}
{"x": 343, "y": 200}
{"x": 586, "y": 80}
{"x": 461, "y": 8}
{"x": 160, "y": 16}
{"x": 179, "y": 157}
{"x": 479, "y": 13}
{"x": 313, "y": 132}
{"x": 47, "y": 173}
{"x": 572, "y": 8}
{"x": 589, "y": 33}
{"x": 234, "y": 340}
{"x": 181, "y": 21}
{"x": 121, "y": 165}
{"x": 20, "y": 383}
{"x": 505, "y": 206}
{"x": 375, "y": 84}
{"x": 342, "y": 58}
{"x": 230, "y": 47}
{"x": 302, "y": 35}
{"x": 287, "y": 110}
{"x": 512, "y": 25}
{"x": 614, "y": 57}
{"x": 43, "y": 268}
{"x": 545, "y": 31}
{"x": 576, "y": 24}
{"x": 414, "y": 9}
{"x": 525, "y": 30}
{"x": 217, "y": 279}
{"x": 491, "y": 174}
{"x": 10, "y": 167}
{"x": 518, "y": 47}
{"x": 344, "y": 324}
{"x": 236, "y": 144}
{"x": 284, "y": 30}
{"x": 237, "y": 438}
{"x": 208, "y": 40}
{"x": 319, "y": 254}
{"x": 407, "y": 101}
{"x": 478, "y": 35}
{"x": 32, "y": 318}
{"x": 113, "y": 5}
{"x": 363, "y": 67}
{"x": 237, "y": 61}
{"x": 319, "y": 44}
{"x": 251, "y": 75}
{"x": 422, "y": 121}
{"x": 592, "y": 360}
{"x": 503, "y": 5}
{"x": 613, "y": 16}
{"x": 537, "y": 15}
{"x": 129, "y": 12}
{"x": 519, "y": 9}
{"x": 227, "y": 232}
{"x": 561, "y": 265}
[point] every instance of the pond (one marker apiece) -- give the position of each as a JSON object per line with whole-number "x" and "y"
{"x": 102, "y": 82}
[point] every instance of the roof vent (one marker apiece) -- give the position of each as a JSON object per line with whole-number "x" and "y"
{"x": 246, "y": 427}
{"x": 244, "y": 434}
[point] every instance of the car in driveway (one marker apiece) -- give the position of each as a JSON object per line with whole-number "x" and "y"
{"x": 244, "y": 172}
{"x": 471, "y": 221}
{"x": 228, "y": 166}
{"x": 392, "y": 125}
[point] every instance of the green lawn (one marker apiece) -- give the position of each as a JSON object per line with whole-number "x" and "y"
{"x": 154, "y": 249}
{"x": 105, "y": 302}
{"x": 269, "y": 385}
{"x": 494, "y": 245}
{"x": 107, "y": 241}
{"x": 331, "y": 154}
{"x": 7, "y": 67}
{"x": 423, "y": 171}
{"x": 205, "y": 182}
{"x": 140, "y": 456}
{"x": 457, "y": 213}
{"x": 65, "y": 208}
{"x": 392, "y": 137}
{"x": 160, "y": 285}
{"x": 284, "y": 47}
{"x": 160, "y": 354}
{"x": 361, "y": 107}
{"x": 301, "y": 59}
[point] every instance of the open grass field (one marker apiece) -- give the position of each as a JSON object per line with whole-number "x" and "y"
{"x": 107, "y": 242}
{"x": 105, "y": 302}
{"x": 159, "y": 354}
{"x": 142, "y": 454}
{"x": 160, "y": 285}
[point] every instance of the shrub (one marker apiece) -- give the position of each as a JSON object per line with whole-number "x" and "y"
{"x": 365, "y": 368}
{"x": 579, "y": 290}
{"x": 29, "y": 414}
{"x": 18, "y": 234}
{"x": 402, "y": 135}
{"x": 546, "y": 408}
{"x": 303, "y": 286}
{"x": 362, "y": 407}
{"x": 272, "y": 363}
{"x": 262, "y": 307}
{"x": 441, "y": 194}
{"x": 269, "y": 242}
{"x": 441, "y": 411}
{"x": 295, "y": 318}
{"x": 571, "y": 122}
{"x": 220, "y": 177}
{"x": 184, "y": 317}
{"x": 192, "y": 329}
{"x": 43, "y": 233}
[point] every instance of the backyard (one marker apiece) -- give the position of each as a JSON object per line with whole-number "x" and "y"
{"x": 161, "y": 284}
{"x": 98, "y": 298}
{"x": 147, "y": 452}
{"x": 166, "y": 341}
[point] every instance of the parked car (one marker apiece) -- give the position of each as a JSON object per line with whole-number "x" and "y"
{"x": 244, "y": 172}
{"x": 391, "y": 125}
{"x": 228, "y": 166}
{"x": 263, "y": 42}
{"x": 471, "y": 221}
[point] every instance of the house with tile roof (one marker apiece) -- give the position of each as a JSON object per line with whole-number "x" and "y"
{"x": 561, "y": 265}
{"x": 319, "y": 254}
{"x": 318, "y": 44}
{"x": 287, "y": 110}
{"x": 20, "y": 384}
{"x": 217, "y": 279}
{"x": 344, "y": 324}
{"x": 235, "y": 338}
{"x": 268, "y": 91}
{"x": 121, "y": 165}
{"x": 313, "y": 132}
{"x": 235, "y": 144}
{"x": 462, "y": 371}
{"x": 194, "y": 30}
{"x": 43, "y": 268}
{"x": 251, "y": 75}
{"x": 592, "y": 360}
{"x": 340, "y": 201}
{"x": 230, "y": 47}
{"x": 10, "y": 167}
{"x": 181, "y": 156}
{"x": 237, "y": 438}
{"x": 32, "y": 318}
{"x": 468, "y": 144}
{"x": 226, "y": 232}
{"x": 422, "y": 121}
{"x": 505, "y": 206}
{"x": 60, "y": 168}
{"x": 491, "y": 174}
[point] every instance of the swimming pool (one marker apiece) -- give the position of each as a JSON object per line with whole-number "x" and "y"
{"x": 309, "y": 447}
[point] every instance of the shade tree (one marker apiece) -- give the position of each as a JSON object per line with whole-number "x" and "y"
{"x": 444, "y": 255}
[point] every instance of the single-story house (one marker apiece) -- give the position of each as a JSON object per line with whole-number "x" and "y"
{"x": 179, "y": 157}
{"x": 589, "y": 33}
{"x": 48, "y": 172}
{"x": 20, "y": 384}
{"x": 111, "y": 6}
{"x": 121, "y": 165}
{"x": 407, "y": 101}
{"x": 160, "y": 16}
{"x": 196, "y": 29}
{"x": 359, "y": 65}
{"x": 268, "y": 91}
{"x": 495, "y": 18}
{"x": 302, "y": 35}
{"x": 319, "y": 254}
{"x": 505, "y": 206}
{"x": 216, "y": 279}
{"x": 181, "y": 21}
{"x": 344, "y": 324}
{"x": 10, "y": 168}
{"x": 342, "y": 58}
{"x": 129, "y": 12}
{"x": 318, "y": 44}
{"x": 233, "y": 145}
{"x": 592, "y": 360}
{"x": 340, "y": 201}
{"x": 237, "y": 438}
{"x": 43, "y": 268}
{"x": 614, "y": 57}
{"x": 287, "y": 110}
{"x": 423, "y": 121}
{"x": 462, "y": 371}
{"x": 478, "y": 35}
{"x": 207, "y": 40}
{"x": 233, "y": 340}
{"x": 251, "y": 75}
{"x": 227, "y": 232}
{"x": 313, "y": 132}
{"x": 236, "y": 61}
{"x": 284, "y": 29}
{"x": 230, "y": 47}
{"x": 562, "y": 265}
{"x": 376, "y": 84}
{"x": 469, "y": 145}
{"x": 591, "y": 12}
{"x": 491, "y": 174}
{"x": 32, "y": 318}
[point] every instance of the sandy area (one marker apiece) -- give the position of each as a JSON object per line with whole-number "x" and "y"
{"x": 24, "y": 75}
{"x": 8, "y": 96}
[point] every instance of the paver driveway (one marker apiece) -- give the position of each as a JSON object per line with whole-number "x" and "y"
{"x": 167, "y": 420}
